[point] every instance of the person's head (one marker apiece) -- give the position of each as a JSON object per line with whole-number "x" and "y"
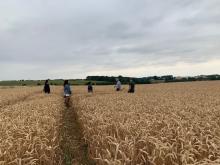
{"x": 65, "y": 82}
{"x": 117, "y": 79}
{"x": 131, "y": 80}
{"x": 46, "y": 82}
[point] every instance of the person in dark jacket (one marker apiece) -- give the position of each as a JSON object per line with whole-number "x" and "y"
{"x": 47, "y": 87}
{"x": 90, "y": 87}
{"x": 131, "y": 86}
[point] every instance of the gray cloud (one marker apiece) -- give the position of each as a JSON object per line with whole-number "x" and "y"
{"x": 84, "y": 37}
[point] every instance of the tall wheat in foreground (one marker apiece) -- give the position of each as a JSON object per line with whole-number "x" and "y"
{"x": 29, "y": 131}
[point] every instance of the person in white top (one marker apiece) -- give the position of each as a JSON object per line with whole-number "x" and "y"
{"x": 118, "y": 85}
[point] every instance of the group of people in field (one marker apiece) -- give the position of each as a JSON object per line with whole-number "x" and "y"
{"x": 131, "y": 89}
{"x": 67, "y": 89}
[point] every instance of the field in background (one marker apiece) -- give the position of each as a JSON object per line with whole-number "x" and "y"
{"x": 167, "y": 124}
{"x": 52, "y": 82}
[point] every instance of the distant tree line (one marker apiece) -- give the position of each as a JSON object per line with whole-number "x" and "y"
{"x": 152, "y": 79}
{"x": 123, "y": 80}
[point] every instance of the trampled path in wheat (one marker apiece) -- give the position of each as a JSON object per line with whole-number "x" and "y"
{"x": 73, "y": 147}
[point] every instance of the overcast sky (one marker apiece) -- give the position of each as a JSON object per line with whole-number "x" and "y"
{"x": 42, "y": 39}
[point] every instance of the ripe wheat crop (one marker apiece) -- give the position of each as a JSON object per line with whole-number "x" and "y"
{"x": 168, "y": 124}
{"x": 29, "y": 131}
{"x": 162, "y": 124}
{"x": 9, "y": 95}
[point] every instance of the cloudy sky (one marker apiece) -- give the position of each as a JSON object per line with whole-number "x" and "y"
{"x": 73, "y": 39}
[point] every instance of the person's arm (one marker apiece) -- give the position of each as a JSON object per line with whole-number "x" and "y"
{"x": 64, "y": 89}
{"x": 44, "y": 88}
{"x": 120, "y": 86}
{"x": 70, "y": 90}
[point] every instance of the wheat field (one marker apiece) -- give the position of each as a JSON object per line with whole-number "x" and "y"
{"x": 29, "y": 131}
{"x": 9, "y": 95}
{"x": 160, "y": 124}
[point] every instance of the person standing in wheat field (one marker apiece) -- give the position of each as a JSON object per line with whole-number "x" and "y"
{"x": 67, "y": 92}
{"x": 90, "y": 87}
{"x": 131, "y": 86}
{"x": 47, "y": 87}
{"x": 118, "y": 85}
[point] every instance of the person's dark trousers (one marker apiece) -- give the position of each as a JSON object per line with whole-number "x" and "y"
{"x": 131, "y": 91}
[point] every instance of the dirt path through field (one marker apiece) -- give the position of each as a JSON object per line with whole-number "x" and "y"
{"x": 74, "y": 148}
